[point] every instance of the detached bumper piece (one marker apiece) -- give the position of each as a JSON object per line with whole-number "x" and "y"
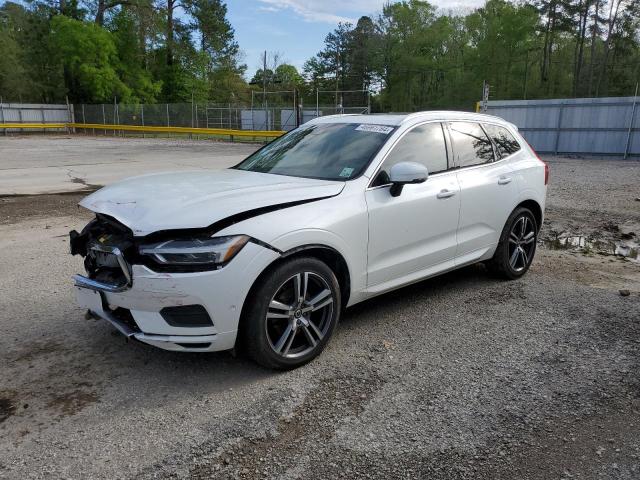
{"x": 93, "y": 284}
{"x": 123, "y": 321}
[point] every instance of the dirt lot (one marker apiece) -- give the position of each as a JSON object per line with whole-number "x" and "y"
{"x": 461, "y": 376}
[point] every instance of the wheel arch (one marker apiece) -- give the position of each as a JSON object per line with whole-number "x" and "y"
{"x": 535, "y": 208}
{"x": 329, "y": 255}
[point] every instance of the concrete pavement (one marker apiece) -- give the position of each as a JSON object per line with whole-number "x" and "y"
{"x": 32, "y": 165}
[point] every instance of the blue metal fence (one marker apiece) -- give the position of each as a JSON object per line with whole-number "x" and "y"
{"x": 591, "y": 126}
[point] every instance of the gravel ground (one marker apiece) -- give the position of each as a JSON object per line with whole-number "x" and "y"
{"x": 458, "y": 377}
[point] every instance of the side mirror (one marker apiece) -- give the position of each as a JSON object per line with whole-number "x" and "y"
{"x": 404, "y": 173}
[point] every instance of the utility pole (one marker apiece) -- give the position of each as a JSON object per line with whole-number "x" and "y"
{"x": 264, "y": 80}
{"x": 485, "y": 96}
{"x": 337, "y": 77}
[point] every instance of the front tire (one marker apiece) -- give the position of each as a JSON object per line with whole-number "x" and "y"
{"x": 517, "y": 245}
{"x": 292, "y": 313}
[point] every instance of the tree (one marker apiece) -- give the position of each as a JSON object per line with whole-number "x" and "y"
{"x": 288, "y": 76}
{"x": 580, "y": 10}
{"x": 503, "y": 35}
{"x": 13, "y": 74}
{"x": 362, "y": 51}
{"x": 104, "y": 6}
{"x": 89, "y": 57}
{"x": 130, "y": 50}
{"x": 221, "y": 59}
{"x": 216, "y": 34}
{"x": 595, "y": 37}
{"x": 28, "y": 57}
{"x": 329, "y": 67}
{"x": 615, "y": 10}
{"x": 263, "y": 77}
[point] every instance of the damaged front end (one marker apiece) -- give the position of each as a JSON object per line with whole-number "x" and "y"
{"x": 107, "y": 247}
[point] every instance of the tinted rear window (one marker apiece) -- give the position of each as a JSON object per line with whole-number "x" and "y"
{"x": 471, "y": 146}
{"x": 504, "y": 140}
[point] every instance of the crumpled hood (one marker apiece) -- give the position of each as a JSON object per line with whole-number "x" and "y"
{"x": 197, "y": 199}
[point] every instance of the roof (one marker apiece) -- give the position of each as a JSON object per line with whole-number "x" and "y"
{"x": 396, "y": 119}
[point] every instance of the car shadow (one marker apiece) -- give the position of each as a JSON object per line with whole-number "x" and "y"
{"x": 232, "y": 369}
{"x": 453, "y": 281}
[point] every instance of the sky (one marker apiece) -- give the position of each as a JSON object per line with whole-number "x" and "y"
{"x": 297, "y": 28}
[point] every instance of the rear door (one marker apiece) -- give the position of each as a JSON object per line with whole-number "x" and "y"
{"x": 413, "y": 235}
{"x": 487, "y": 190}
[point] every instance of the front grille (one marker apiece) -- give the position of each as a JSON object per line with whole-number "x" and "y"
{"x": 108, "y": 248}
{"x": 101, "y": 258}
{"x": 111, "y": 276}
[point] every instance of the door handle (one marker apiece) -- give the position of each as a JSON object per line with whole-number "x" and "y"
{"x": 504, "y": 180}
{"x": 445, "y": 193}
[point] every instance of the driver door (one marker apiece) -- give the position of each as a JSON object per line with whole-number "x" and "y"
{"x": 413, "y": 235}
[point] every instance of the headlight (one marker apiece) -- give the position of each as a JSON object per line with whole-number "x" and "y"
{"x": 201, "y": 253}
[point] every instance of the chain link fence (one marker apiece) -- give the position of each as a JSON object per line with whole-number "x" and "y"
{"x": 268, "y": 111}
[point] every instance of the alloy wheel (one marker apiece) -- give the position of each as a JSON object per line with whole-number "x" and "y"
{"x": 522, "y": 243}
{"x": 299, "y": 315}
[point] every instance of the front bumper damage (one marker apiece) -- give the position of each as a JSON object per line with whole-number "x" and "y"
{"x": 95, "y": 302}
{"x": 136, "y": 300}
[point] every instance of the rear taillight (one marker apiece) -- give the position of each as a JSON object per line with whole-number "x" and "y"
{"x": 546, "y": 165}
{"x": 546, "y": 172}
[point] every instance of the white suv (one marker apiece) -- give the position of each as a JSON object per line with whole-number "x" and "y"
{"x": 269, "y": 253}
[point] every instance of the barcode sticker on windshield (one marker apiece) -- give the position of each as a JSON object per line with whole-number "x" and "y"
{"x": 374, "y": 128}
{"x": 346, "y": 172}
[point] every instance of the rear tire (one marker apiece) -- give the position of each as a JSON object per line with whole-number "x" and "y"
{"x": 517, "y": 245}
{"x": 291, "y": 314}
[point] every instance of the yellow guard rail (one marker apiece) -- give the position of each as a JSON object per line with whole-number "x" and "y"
{"x": 148, "y": 129}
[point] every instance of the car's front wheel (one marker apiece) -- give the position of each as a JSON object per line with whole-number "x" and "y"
{"x": 292, "y": 312}
{"x": 517, "y": 245}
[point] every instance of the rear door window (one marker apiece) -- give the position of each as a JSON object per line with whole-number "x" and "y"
{"x": 471, "y": 146}
{"x": 505, "y": 142}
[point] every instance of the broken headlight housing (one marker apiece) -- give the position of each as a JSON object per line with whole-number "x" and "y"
{"x": 193, "y": 254}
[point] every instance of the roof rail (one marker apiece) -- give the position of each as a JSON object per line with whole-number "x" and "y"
{"x": 340, "y": 115}
{"x": 436, "y": 112}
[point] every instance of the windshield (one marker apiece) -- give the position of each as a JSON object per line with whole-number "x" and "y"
{"x": 328, "y": 151}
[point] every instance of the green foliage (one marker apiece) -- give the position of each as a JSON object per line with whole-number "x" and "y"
{"x": 285, "y": 77}
{"x": 418, "y": 57}
{"x": 288, "y": 76}
{"x": 133, "y": 50}
{"x": 88, "y": 56}
{"x": 13, "y": 74}
{"x": 27, "y": 69}
{"x": 130, "y": 52}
